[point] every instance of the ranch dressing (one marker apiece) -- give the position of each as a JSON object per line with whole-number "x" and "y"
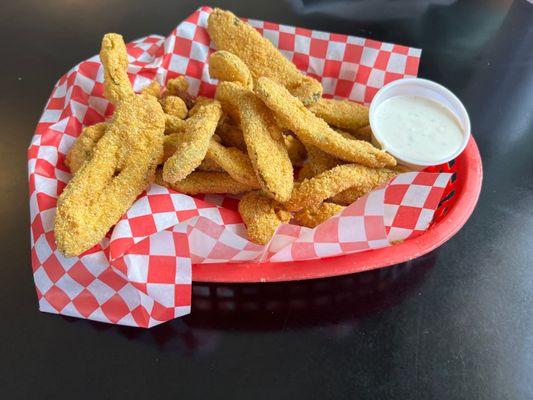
{"x": 418, "y": 128}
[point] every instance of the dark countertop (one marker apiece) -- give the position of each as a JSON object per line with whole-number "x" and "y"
{"x": 456, "y": 324}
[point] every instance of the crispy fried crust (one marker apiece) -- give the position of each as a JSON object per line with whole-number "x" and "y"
{"x": 206, "y": 182}
{"x": 175, "y": 106}
{"x": 314, "y": 216}
{"x": 236, "y": 163}
{"x": 153, "y": 89}
{"x": 180, "y": 87}
{"x": 114, "y": 57}
{"x": 83, "y": 147}
{"x": 122, "y": 165}
{"x": 348, "y": 196}
{"x": 226, "y": 66}
{"x": 194, "y": 143}
{"x": 229, "y": 33}
{"x": 312, "y": 130}
{"x": 311, "y": 192}
{"x": 343, "y": 114}
{"x": 209, "y": 165}
{"x": 174, "y": 124}
{"x": 260, "y": 217}
{"x": 296, "y": 150}
{"x": 231, "y": 136}
{"x": 269, "y": 156}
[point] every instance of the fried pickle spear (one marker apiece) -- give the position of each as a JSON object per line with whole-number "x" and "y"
{"x": 348, "y": 196}
{"x": 236, "y": 163}
{"x": 117, "y": 86}
{"x": 314, "y": 216}
{"x": 261, "y": 217}
{"x": 226, "y": 66}
{"x": 231, "y": 34}
{"x": 83, "y": 147}
{"x": 269, "y": 156}
{"x": 206, "y": 182}
{"x": 311, "y": 192}
{"x": 343, "y": 114}
{"x": 122, "y": 165}
{"x": 292, "y": 114}
{"x": 194, "y": 143}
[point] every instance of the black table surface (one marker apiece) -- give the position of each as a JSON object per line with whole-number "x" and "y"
{"x": 455, "y": 324}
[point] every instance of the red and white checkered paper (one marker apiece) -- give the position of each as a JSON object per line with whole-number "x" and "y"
{"x": 140, "y": 274}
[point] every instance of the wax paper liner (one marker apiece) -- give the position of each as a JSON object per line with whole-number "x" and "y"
{"x": 140, "y": 274}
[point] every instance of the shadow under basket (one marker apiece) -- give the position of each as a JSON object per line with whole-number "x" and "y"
{"x": 457, "y": 204}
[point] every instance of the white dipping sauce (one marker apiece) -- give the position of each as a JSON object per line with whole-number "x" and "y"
{"x": 418, "y": 128}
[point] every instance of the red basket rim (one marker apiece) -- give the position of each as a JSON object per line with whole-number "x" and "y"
{"x": 469, "y": 180}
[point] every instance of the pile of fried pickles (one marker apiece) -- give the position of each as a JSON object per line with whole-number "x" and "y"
{"x": 268, "y": 134}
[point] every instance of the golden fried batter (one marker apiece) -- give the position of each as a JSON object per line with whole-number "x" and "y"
{"x": 269, "y": 156}
{"x": 236, "y": 163}
{"x": 209, "y": 165}
{"x": 291, "y": 113}
{"x": 260, "y": 217}
{"x": 83, "y": 147}
{"x": 314, "y": 216}
{"x": 153, "y": 89}
{"x": 311, "y": 192}
{"x": 231, "y": 136}
{"x": 122, "y": 165}
{"x": 343, "y": 114}
{"x": 174, "y": 105}
{"x": 295, "y": 149}
{"x": 114, "y": 57}
{"x": 226, "y": 66}
{"x": 173, "y": 124}
{"x": 179, "y": 87}
{"x": 350, "y": 195}
{"x": 195, "y": 142}
{"x": 229, "y": 33}
{"x": 206, "y": 182}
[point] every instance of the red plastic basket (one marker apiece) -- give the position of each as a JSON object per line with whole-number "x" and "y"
{"x": 458, "y": 203}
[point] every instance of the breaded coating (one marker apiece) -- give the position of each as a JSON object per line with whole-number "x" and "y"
{"x": 206, "y": 182}
{"x": 122, "y": 165}
{"x": 209, "y": 165}
{"x": 153, "y": 89}
{"x": 200, "y": 101}
{"x": 173, "y": 124}
{"x": 291, "y": 113}
{"x": 364, "y": 133}
{"x": 226, "y": 66}
{"x": 236, "y": 163}
{"x": 260, "y": 217}
{"x": 317, "y": 162}
{"x": 314, "y": 216}
{"x": 311, "y": 192}
{"x": 175, "y": 106}
{"x": 231, "y": 136}
{"x": 296, "y": 150}
{"x": 269, "y": 156}
{"x": 343, "y": 114}
{"x": 180, "y": 87}
{"x": 117, "y": 86}
{"x": 350, "y": 195}
{"x": 231, "y": 34}
{"x": 195, "y": 141}
{"x": 83, "y": 147}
